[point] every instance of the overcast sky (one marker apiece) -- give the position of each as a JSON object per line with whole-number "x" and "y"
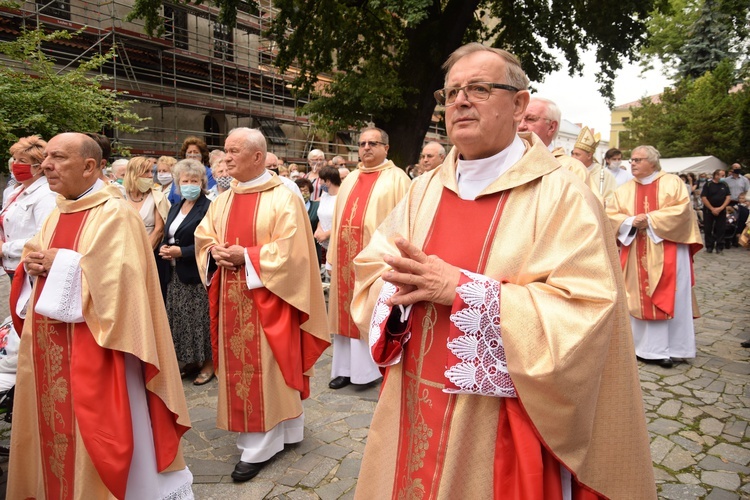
{"x": 579, "y": 98}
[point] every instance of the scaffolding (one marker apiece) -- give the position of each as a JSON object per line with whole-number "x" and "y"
{"x": 198, "y": 78}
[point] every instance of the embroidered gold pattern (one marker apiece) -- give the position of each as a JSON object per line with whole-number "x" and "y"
{"x": 242, "y": 335}
{"x": 420, "y": 433}
{"x": 351, "y": 249}
{"x": 54, "y": 391}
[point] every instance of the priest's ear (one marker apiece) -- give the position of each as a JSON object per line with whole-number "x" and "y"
{"x": 90, "y": 167}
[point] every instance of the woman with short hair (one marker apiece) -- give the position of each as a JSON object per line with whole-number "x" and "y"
{"x": 187, "y": 299}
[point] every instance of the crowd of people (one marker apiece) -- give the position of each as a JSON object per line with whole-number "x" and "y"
{"x": 485, "y": 282}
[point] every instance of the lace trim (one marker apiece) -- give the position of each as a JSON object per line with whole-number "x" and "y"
{"x": 184, "y": 492}
{"x": 381, "y": 312}
{"x": 68, "y": 309}
{"x": 483, "y": 368}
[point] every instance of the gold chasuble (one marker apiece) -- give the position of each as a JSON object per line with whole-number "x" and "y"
{"x": 570, "y": 163}
{"x": 532, "y": 366}
{"x": 72, "y": 428}
{"x": 365, "y": 198}
{"x": 650, "y": 269}
{"x": 265, "y": 340}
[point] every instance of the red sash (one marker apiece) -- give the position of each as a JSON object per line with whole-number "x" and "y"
{"x": 660, "y": 305}
{"x": 350, "y": 243}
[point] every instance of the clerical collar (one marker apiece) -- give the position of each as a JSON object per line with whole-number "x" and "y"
{"x": 648, "y": 179}
{"x": 376, "y": 166}
{"x": 492, "y": 167}
{"x": 99, "y": 184}
{"x": 264, "y": 177}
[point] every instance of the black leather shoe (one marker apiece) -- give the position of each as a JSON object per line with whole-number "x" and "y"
{"x": 745, "y": 343}
{"x": 245, "y": 471}
{"x": 709, "y": 250}
{"x": 339, "y": 382}
{"x": 665, "y": 363}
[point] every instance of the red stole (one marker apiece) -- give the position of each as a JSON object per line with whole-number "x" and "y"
{"x": 523, "y": 466}
{"x": 243, "y": 314}
{"x": 350, "y": 243}
{"x": 660, "y": 305}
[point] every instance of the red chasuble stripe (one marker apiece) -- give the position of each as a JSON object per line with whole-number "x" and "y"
{"x": 350, "y": 243}
{"x": 426, "y": 411}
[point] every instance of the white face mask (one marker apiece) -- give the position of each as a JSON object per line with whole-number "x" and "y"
{"x": 144, "y": 184}
{"x": 615, "y": 164}
{"x": 164, "y": 178}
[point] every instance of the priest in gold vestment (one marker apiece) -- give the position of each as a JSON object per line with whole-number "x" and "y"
{"x": 255, "y": 253}
{"x": 654, "y": 220}
{"x": 100, "y": 409}
{"x": 543, "y": 117}
{"x": 494, "y": 302}
{"x": 365, "y": 198}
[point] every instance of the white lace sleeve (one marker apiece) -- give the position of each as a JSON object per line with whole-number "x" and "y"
{"x": 482, "y": 368}
{"x": 386, "y": 348}
{"x": 62, "y": 298}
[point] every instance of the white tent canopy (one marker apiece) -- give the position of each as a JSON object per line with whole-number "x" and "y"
{"x": 695, "y": 164}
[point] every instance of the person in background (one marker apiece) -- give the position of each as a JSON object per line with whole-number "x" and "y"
{"x": 150, "y": 203}
{"x": 214, "y": 158}
{"x": 283, "y": 171}
{"x": 338, "y": 161}
{"x": 118, "y": 170}
{"x": 331, "y": 180}
{"x": 187, "y": 300}
{"x": 601, "y": 181}
{"x": 715, "y": 197}
{"x": 223, "y": 180}
{"x": 271, "y": 161}
{"x": 195, "y": 148}
{"x": 305, "y": 187}
{"x": 433, "y": 154}
{"x": 24, "y": 209}
{"x": 316, "y": 159}
{"x": 165, "y": 178}
{"x": 613, "y": 163}
{"x": 106, "y": 148}
{"x": 343, "y": 172}
{"x": 658, "y": 234}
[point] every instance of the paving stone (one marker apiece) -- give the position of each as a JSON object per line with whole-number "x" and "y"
{"x": 681, "y": 491}
{"x": 307, "y": 462}
{"x": 732, "y": 453}
{"x": 724, "y": 480}
{"x": 719, "y": 494}
{"x": 222, "y": 491}
{"x": 664, "y": 426}
{"x": 209, "y": 467}
{"x": 670, "y": 408}
{"x": 735, "y": 428}
{"x": 349, "y": 468}
{"x": 688, "y": 479}
{"x": 334, "y": 489}
{"x": 678, "y": 459}
{"x": 291, "y": 478}
{"x": 660, "y": 447}
{"x": 328, "y": 436}
{"x": 711, "y": 462}
{"x": 359, "y": 421}
{"x": 312, "y": 479}
{"x": 711, "y": 427}
{"x": 715, "y": 412}
{"x": 332, "y": 451}
{"x": 686, "y": 443}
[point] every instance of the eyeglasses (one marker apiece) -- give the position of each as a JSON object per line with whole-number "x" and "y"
{"x": 637, "y": 160}
{"x": 474, "y": 92}
{"x": 533, "y": 119}
{"x": 372, "y": 144}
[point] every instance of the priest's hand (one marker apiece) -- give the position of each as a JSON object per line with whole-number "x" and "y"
{"x": 229, "y": 257}
{"x": 640, "y": 221}
{"x": 39, "y": 263}
{"x": 420, "y": 277}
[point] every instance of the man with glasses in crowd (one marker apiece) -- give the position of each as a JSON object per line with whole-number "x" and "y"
{"x": 364, "y": 199}
{"x": 543, "y": 117}
{"x": 494, "y": 300}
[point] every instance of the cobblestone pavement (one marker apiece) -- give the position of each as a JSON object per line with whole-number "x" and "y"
{"x": 698, "y": 414}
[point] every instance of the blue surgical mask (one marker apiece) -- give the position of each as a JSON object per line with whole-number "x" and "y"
{"x": 190, "y": 191}
{"x": 325, "y": 188}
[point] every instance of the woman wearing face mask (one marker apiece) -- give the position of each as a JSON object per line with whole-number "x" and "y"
{"x": 151, "y": 204}
{"x": 194, "y": 148}
{"x": 187, "y": 300}
{"x": 164, "y": 177}
{"x": 26, "y": 207}
{"x": 221, "y": 174}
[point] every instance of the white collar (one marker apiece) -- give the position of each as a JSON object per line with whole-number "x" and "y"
{"x": 264, "y": 177}
{"x": 492, "y": 167}
{"x": 648, "y": 179}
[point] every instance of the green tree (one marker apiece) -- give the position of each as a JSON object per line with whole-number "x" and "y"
{"x": 42, "y": 100}
{"x": 385, "y": 56}
{"x": 699, "y": 117}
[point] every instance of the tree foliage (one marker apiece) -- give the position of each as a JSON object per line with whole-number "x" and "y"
{"x": 704, "y": 116}
{"x": 42, "y": 100}
{"x": 690, "y": 37}
{"x": 384, "y": 57}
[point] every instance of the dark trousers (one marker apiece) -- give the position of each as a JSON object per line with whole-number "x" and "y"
{"x": 713, "y": 228}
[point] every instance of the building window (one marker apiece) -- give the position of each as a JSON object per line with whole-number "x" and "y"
{"x": 273, "y": 132}
{"x": 625, "y": 119}
{"x": 55, "y": 8}
{"x": 223, "y": 42}
{"x": 176, "y": 26}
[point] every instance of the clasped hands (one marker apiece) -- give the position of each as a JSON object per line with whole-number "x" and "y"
{"x": 230, "y": 257}
{"x": 39, "y": 263}
{"x": 640, "y": 221}
{"x": 420, "y": 277}
{"x": 169, "y": 252}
